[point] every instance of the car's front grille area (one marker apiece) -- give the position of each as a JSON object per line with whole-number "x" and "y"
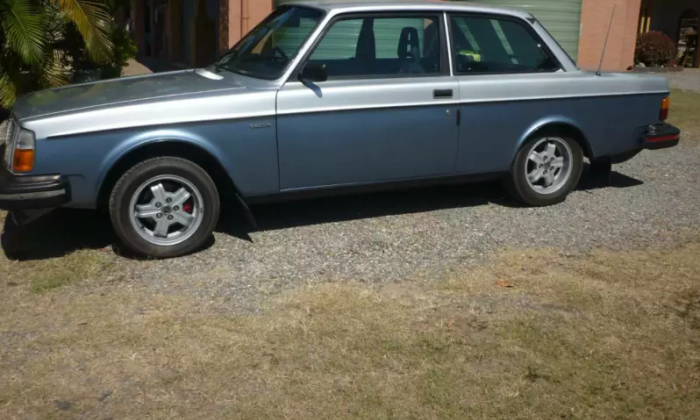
{"x": 10, "y": 134}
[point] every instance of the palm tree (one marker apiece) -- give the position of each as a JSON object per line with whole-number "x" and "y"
{"x": 31, "y": 32}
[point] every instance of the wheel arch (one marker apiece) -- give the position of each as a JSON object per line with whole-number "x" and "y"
{"x": 164, "y": 147}
{"x": 562, "y": 126}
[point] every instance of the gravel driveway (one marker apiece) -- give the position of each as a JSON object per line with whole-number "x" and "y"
{"x": 418, "y": 234}
{"x": 688, "y": 79}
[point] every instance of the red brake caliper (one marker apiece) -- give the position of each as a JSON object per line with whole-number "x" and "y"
{"x": 187, "y": 207}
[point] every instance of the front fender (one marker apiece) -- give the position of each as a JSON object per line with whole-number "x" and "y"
{"x": 136, "y": 141}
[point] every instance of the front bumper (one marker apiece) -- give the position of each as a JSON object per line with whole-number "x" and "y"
{"x": 661, "y": 136}
{"x": 32, "y": 192}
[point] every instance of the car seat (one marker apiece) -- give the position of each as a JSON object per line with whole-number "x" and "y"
{"x": 409, "y": 52}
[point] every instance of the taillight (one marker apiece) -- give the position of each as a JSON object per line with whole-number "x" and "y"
{"x": 23, "y": 155}
{"x": 665, "y": 105}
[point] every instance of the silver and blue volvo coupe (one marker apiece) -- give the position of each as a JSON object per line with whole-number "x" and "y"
{"x": 321, "y": 97}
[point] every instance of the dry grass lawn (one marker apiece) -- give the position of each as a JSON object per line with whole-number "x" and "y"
{"x": 604, "y": 335}
{"x": 685, "y": 112}
{"x": 527, "y": 335}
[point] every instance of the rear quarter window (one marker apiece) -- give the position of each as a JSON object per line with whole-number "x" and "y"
{"x": 484, "y": 44}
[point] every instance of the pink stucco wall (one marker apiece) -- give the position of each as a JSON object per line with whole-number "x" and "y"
{"x": 595, "y": 19}
{"x": 243, "y": 15}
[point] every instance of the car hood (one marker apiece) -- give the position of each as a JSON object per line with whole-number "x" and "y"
{"x": 161, "y": 86}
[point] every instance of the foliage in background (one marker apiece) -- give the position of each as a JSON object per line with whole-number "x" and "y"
{"x": 86, "y": 69}
{"x": 655, "y": 49}
{"x": 33, "y": 38}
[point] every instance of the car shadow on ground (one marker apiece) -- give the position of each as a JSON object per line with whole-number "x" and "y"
{"x": 64, "y": 231}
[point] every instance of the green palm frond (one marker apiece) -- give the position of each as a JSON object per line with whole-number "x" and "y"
{"x": 93, "y": 22}
{"x": 8, "y": 92}
{"x": 23, "y": 28}
{"x": 53, "y": 73}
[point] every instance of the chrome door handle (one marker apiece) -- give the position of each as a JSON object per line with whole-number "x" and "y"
{"x": 443, "y": 93}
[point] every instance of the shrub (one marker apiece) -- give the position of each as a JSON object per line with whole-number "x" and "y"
{"x": 655, "y": 49}
{"x": 85, "y": 69}
{"x": 124, "y": 49}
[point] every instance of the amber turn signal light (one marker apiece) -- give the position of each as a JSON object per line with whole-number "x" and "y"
{"x": 665, "y": 106}
{"x": 24, "y": 152}
{"x": 23, "y": 160}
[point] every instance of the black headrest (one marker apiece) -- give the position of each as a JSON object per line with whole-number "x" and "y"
{"x": 408, "y": 41}
{"x": 366, "y": 46}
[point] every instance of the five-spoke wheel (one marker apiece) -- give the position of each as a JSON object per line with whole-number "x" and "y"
{"x": 167, "y": 210}
{"x": 549, "y": 165}
{"x": 164, "y": 207}
{"x": 546, "y": 169}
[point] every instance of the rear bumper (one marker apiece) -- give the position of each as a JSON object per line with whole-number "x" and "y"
{"x": 32, "y": 192}
{"x": 661, "y": 136}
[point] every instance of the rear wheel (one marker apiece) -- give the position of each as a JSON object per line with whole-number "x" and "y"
{"x": 546, "y": 170}
{"x": 164, "y": 207}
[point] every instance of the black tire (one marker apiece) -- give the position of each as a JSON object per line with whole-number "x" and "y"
{"x": 11, "y": 238}
{"x": 126, "y": 187}
{"x": 517, "y": 182}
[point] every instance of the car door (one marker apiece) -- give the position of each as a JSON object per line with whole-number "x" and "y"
{"x": 508, "y": 78}
{"x": 386, "y": 113}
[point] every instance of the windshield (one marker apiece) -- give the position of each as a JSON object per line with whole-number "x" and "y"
{"x": 268, "y": 49}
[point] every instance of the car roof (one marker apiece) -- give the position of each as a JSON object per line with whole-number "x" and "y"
{"x": 408, "y": 5}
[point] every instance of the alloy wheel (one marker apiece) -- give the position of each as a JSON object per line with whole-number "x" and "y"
{"x": 166, "y": 210}
{"x": 549, "y": 165}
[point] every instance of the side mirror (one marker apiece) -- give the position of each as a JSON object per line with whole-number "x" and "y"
{"x": 313, "y": 73}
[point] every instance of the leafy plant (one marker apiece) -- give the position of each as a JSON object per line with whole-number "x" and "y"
{"x": 82, "y": 64}
{"x": 124, "y": 50}
{"x": 33, "y": 34}
{"x": 655, "y": 49}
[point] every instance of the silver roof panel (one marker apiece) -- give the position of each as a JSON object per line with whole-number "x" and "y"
{"x": 350, "y": 6}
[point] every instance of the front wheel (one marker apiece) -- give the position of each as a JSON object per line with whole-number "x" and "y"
{"x": 546, "y": 170}
{"x": 164, "y": 207}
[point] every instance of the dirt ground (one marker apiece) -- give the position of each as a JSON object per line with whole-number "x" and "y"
{"x": 527, "y": 335}
{"x": 604, "y": 323}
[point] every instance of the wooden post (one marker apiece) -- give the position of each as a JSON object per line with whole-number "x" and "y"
{"x": 224, "y": 44}
{"x": 696, "y": 62}
{"x": 174, "y": 30}
{"x": 138, "y": 8}
{"x": 153, "y": 29}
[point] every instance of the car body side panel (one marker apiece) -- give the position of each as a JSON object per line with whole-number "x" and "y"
{"x": 248, "y": 154}
{"x": 349, "y": 132}
{"x": 499, "y": 113}
{"x": 492, "y": 133}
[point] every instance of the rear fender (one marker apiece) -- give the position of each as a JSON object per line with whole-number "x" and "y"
{"x": 560, "y": 123}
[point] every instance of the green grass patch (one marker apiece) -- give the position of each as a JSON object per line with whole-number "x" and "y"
{"x": 685, "y": 110}
{"x": 51, "y": 281}
{"x": 44, "y": 275}
{"x": 75, "y": 267}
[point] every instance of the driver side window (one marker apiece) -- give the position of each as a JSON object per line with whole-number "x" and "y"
{"x": 380, "y": 47}
{"x": 486, "y": 45}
